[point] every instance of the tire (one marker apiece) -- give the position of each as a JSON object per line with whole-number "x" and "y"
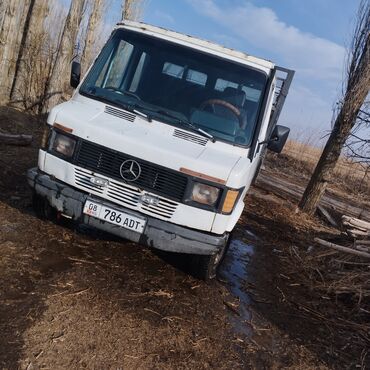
{"x": 206, "y": 266}
{"x": 42, "y": 208}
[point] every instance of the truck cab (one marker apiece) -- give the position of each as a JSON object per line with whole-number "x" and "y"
{"x": 161, "y": 141}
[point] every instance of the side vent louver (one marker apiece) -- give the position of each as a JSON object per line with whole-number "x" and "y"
{"x": 120, "y": 113}
{"x": 190, "y": 137}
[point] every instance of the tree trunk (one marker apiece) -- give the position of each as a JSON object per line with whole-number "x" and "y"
{"x": 59, "y": 80}
{"x": 22, "y": 46}
{"x": 356, "y": 93}
{"x": 33, "y": 60}
{"x": 325, "y": 167}
{"x": 3, "y": 6}
{"x": 13, "y": 16}
{"x": 91, "y": 38}
{"x": 133, "y": 9}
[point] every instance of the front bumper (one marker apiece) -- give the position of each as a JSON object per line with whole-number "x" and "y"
{"x": 157, "y": 233}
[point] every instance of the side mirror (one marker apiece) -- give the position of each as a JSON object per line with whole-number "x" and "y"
{"x": 278, "y": 138}
{"x": 75, "y": 74}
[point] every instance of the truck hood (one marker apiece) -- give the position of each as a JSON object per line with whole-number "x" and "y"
{"x": 151, "y": 141}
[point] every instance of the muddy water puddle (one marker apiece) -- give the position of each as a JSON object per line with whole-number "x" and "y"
{"x": 234, "y": 271}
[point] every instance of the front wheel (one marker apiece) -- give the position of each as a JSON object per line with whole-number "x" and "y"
{"x": 206, "y": 266}
{"x": 42, "y": 208}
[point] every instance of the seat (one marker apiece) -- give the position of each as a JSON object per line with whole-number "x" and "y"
{"x": 237, "y": 98}
{"x": 234, "y": 96}
{"x": 228, "y": 104}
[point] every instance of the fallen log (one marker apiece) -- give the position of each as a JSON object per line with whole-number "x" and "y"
{"x": 350, "y": 226}
{"x": 287, "y": 190}
{"x": 362, "y": 242}
{"x": 11, "y": 139}
{"x": 363, "y": 248}
{"x": 355, "y": 233}
{"x": 355, "y": 222}
{"x": 341, "y": 248}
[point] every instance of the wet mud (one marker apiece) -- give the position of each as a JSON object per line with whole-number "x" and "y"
{"x": 72, "y": 298}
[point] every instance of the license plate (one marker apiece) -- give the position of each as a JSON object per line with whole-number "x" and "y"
{"x": 113, "y": 216}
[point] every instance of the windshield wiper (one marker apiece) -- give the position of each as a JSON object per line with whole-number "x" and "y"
{"x": 131, "y": 107}
{"x": 182, "y": 121}
{"x": 138, "y": 107}
{"x": 134, "y": 108}
{"x": 198, "y": 129}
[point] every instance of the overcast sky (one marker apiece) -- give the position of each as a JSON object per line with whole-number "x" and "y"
{"x": 307, "y": 36}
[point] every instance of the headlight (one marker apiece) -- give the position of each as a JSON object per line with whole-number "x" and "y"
{"x": 64, "y": 145}
{"x": 205, "y": 194}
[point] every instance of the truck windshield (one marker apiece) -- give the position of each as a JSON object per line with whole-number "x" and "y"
{"x": 178, "y": 85}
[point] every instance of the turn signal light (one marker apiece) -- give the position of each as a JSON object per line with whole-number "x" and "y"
{"x": 45, "y": 137}
{"x": 229, "y": 202}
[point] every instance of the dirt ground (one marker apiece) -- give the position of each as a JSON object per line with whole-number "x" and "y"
{"x": 72, "y": 298}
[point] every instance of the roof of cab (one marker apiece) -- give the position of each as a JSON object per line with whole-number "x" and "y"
{"x": 195, "y": 42}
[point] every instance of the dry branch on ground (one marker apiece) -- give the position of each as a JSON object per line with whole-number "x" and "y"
{"x": 11, "y": 139}
{"x": 342, "y": 248}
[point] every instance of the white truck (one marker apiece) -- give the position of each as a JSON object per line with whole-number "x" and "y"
{"x": 161, "y": 141}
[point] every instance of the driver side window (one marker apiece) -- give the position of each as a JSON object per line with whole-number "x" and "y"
{"x": 115, "y": 67}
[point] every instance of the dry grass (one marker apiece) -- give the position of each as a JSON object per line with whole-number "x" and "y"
{"x": 349, "y": 176}
{"x": 324, "y": 294}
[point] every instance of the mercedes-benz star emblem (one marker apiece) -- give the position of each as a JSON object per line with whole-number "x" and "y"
{"x": 130, "y": 170}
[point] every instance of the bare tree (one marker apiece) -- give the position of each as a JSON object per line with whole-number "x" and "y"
{"x": 37, "y": 47}
{"x": 3, "y": 6}
{"x": 357, "y": 147}
{"x": 96, "y": 17}
{"x": 356, "y": 90}
{"x": 13, "y": 15}
{"x": 33, "y": 27}
{"x": 32, "y": 53}
{"x": 44, "y": 59}
{"x": 358, "y": 144}
{"x": 39, "y": 57}
{"x": 133, "y": 9}
{"x": 59, "y": 80}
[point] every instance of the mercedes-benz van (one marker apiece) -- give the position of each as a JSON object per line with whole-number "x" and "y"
{"x": 161, "y": 141}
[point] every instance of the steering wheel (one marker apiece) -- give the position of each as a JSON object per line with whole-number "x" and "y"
{"x": 223, "y": 103}
{"x": 118, "y": 91}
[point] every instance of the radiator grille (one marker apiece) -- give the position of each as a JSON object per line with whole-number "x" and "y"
{"x": 157, "y": 179}
{"x": 124, "y": 195}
